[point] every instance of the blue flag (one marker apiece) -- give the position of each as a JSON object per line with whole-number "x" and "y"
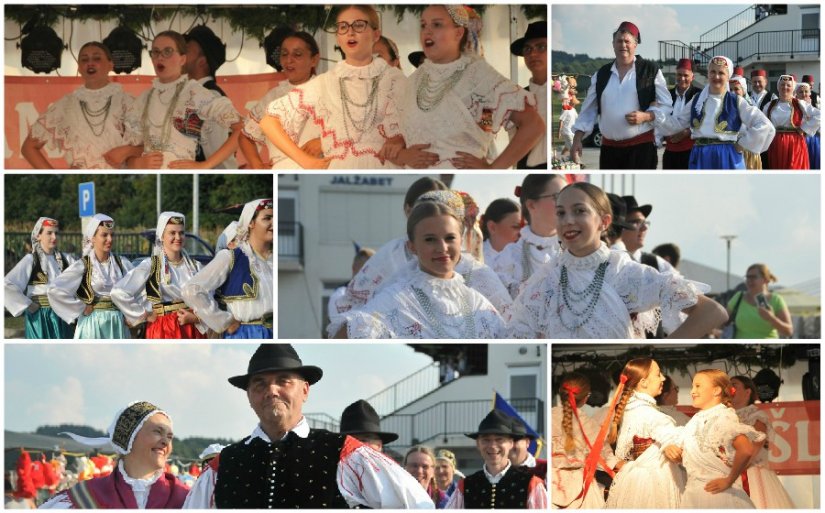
{"x": 536, "y": 442}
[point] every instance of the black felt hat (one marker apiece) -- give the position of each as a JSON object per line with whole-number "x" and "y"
{"x": 212, "y": 47}
{"x": 496, "y": 423}
{"x": 633, "y": 206}
{"x": 520, "y": 430}
{"x": 360, "y": 417}
{"x": 277, "y": 358}
{"x": 535, "y": 30}
{"x": 619, "y": 208}
{"x": 416, "y": 58}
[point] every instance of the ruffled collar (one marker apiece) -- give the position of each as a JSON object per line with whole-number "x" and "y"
{"x": 443, "y": 70}
{"x": 419, "y": 277}
{"x": 528, "y": 236}
{"x": 138, "y": 485}
{"x": 371, "y": 70}
{"x": 589, "y": 262}
{"x": 710, "y": 412}
{"x": 169, "y": 86}
{"x": 645, "y": 398}
{"x": 86, "y": 94}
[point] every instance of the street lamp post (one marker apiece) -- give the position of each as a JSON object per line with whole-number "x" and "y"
{"x": 728, "y": 239}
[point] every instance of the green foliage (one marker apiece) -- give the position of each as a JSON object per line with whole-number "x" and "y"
{"x": 579, "y": 64}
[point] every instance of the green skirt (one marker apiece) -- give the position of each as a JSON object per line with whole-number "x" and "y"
{"x": 45, "y": 324}
{"x": 108, "y": 324}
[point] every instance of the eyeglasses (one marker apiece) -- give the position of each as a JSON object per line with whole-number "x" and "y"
{"x": 540, "y": 48}
{"x": 166, "y": 52}
{"x": 553, "y": 195}
{"x": 342, "y": 27}
{"x": 639, "y": 224}
{"x": 752, "y": 277}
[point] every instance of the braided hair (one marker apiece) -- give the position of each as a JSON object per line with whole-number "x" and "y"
{"x": 636, "y": 370}
{"x": 574, "y": 380}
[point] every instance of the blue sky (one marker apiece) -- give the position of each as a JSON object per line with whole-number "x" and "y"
{"x": 776, "y": 217}
{"x": 88, "y": 383}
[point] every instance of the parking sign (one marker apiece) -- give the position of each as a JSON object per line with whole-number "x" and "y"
{"x": 86, "y": 198}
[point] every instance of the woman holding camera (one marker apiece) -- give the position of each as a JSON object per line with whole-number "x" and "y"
{"x": 757, "y": 312}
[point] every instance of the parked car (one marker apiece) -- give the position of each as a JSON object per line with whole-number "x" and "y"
{"x": 196, "y": 247}
{"x": 594, "y": 139}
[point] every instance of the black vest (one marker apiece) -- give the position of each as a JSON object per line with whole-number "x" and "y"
{"x": 38, "y": 276}
{"x": 293, "y": 473}
{"x": 645, "y": 89}
{"x": 692, "y": 90}
{"x": 85, "y": 292}
{"x": 511, "y": 492}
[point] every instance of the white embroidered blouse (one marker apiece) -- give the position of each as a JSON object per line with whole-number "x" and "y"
{"x": 519, "y": 260}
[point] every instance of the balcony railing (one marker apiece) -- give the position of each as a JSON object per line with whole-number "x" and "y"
{"x": 291, "y": 241}
{"x": 406, "y": 390}
{"x": 732, "y": 25}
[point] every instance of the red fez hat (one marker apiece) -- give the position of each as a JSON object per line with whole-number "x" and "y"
{"x": 809, "y": 79}
{"x": 632, "y": 29}
{"x": 739, "y": 70}
{"x": 759, "y": 73}
{"x": 685, "y": 64}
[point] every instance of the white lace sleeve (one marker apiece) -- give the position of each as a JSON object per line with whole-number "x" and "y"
{"x": 51, "y": 128}
{"x": 366, "y": 325}
{"x": 221, "y": 111}
{"x": 390, "y": 122}
{"x": 132, "y": 125}
{"x": 496, "y": 93}
{"x": 483, "y": 279}
{"x": 529, "y": 317}
{"x": 723, "y": 429}
{"x": 296, "y": 108}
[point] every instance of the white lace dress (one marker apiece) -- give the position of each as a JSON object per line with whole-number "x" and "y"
{"x": 354, "y": 108}
{"x": 85, "y": 136}
{"x": 589, "y": 307}
{"x": 650, "y": 480}
{"x": 388, "y": 265}
{"x": 568, "y": 466}
{"x": 419, "y": 305}
{"x": 277, "y": 159}
{"x": 520, "y": 260}
{"x": 459, "y": 106}
{"x": 765, "y": 489}
{"x": 707, "y": 454}
{"x": 175, "y": 129}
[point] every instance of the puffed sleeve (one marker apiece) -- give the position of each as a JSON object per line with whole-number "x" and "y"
{"x": 198, "y": 293}
{"x": 52, "y": 127}
{"x": 390, "y": 124}
{"x": 589, "y": 112}
{"x": 366, "y": 325}
{"x": 17, "y": 284}
{"x": 757, "y": 131}
{"x": 499, "y": 95}
{"x": 483, "y": 279}
{"x": 251, "y": 127}
{"x": 129, "y": 293}
{"x": 132, "y": 122}
{"x": 529, "y": 312}
{"x": 668, "y": 123}
{"x": 810, "y": 118}
{"x": 221, "y": 111}
{"x": 725, "y": 428}
{"x": 296, "y": 107}
{"x": 63, "y": 292}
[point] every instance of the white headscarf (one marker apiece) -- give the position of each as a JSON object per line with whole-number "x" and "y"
{"x": 37, "y": 250}
{"x": 246, "y": 216}
{"x": 782, "y": 77}
{"x": 211, "y": 451}
{"x": 89, "y": 231}
{"x": 228, "y": 235}
{"x": 157, "y": 248}
{"x": 700, "y": 102}
{"x": 124, "y": 427}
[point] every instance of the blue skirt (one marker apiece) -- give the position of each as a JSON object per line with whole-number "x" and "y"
{"x": 251, "y": 331}
{"x": 108, "y": 324}
{"x": 813, "y": 150}
{"x": 716, "y": 156}
{"x": 45, "y": 324}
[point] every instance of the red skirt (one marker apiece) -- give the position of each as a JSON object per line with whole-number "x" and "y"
{"x": 788, "y": 151}
{"x": 166, "y": 326}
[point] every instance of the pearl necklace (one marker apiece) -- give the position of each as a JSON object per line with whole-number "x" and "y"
{"x": 370, "y": 107}
{"x": 429, "y": 311}
{"x": 95, "y": 123}
{"x": 576, "y": 298}
{"x": 430, "y": 93}
{"x": 166, "y": 124}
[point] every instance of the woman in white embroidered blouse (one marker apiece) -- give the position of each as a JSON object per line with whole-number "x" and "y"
{"x": 501, "y": 225}
{"x": 590, "y": 291}
{"x": 353, "y": 105}
{"x": 82, "y": 292}
{"x": 163, "y": 126}
{"x": 299, "y": 58}
{"x": 86, "y": 123}
{"x": 455, "y": 103}
{"x": 538, "y": 243}
{"x": 764, "y": 487}
{"x": 431, "y": 300}
{"x": 640, "y": 431}
{"x": 715, "y": 447}
{"x": 163, "y": 275}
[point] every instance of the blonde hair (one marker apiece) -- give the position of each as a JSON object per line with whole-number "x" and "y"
{"x": 764, "y": 271}
{"x": 367, "y": 10}
{"x": 636, "y": 370}
{"x": 580, "y": 381}
{"x": 720, "y": 379}
{"x": 427, "y": 209}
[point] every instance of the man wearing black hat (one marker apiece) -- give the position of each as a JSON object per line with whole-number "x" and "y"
{"x": 205, "y": 53}
{"x": 620, "y": 96}
{"x": 533, "y": 47}
{"x": 499, "y": 484}
{"x": 619, "y": 223}
{"x": 679, "y": 146}
{"x": 285, "y": 464}
{"x": 360, "y": 421}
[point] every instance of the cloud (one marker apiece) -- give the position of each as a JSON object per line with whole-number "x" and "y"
{"x": 61, "y": 404}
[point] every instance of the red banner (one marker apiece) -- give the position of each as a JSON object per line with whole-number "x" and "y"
{"x": 28, "y": 97}
{"x": 795, "y": 447}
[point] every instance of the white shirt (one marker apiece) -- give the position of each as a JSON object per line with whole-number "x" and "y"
{"x": 214, "y": 135}
{"x": 782, "y": 113}
{"x": 618, "y": 99}
{"x": 18, "y": 290}
{"x": 537, "y": 497}
{"x": 364, "y": 477}
{"x": 63, "y": 291}
{"x": 520, "y": 260}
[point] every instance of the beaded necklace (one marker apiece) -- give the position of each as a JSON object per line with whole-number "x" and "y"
{"x": 573, "y": 299}
{"x": 166, "y": 125}
{"x": 429, "y": 311}
{"x": 430, "y": 93}
{"x": 94, "y": 123}
{"x": 370, "y": 107}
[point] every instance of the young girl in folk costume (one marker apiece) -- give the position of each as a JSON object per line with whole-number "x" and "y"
{"x": 640, "y": 431}
{"x": 299, "y": 57}
{"x": 739, "y": 86}
{"x": 430, "y": 300}
{"x": 792, "y": 119}
{"x": 762, "y": 485}
{"x": 803, "y": 93}
{"x": 164, "y": 124}
{"x": 538, "y": 243}
{"x": 27, "y": 283}
{"x": 419, "y": 462}
{"x": 573, "y": 432}
{"x": 142, "y": 435}
{"x": 82, "y": 292}
{"x": 241, "y": 277}
{"x": 395, "y": 258}
{"x": 152, "y": 291}
{"x": 353, "y": 105}
{"x": 715, "y": 446}
{"x": 455, "y": 103}
{"x": 590, "y": 291}
{"x": 500, "y": 226}
{"x": 86, "y": 123}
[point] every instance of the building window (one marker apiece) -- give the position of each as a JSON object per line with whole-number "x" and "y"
{"x": 810, "y": 26}
{"x": 289, "y": 230}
